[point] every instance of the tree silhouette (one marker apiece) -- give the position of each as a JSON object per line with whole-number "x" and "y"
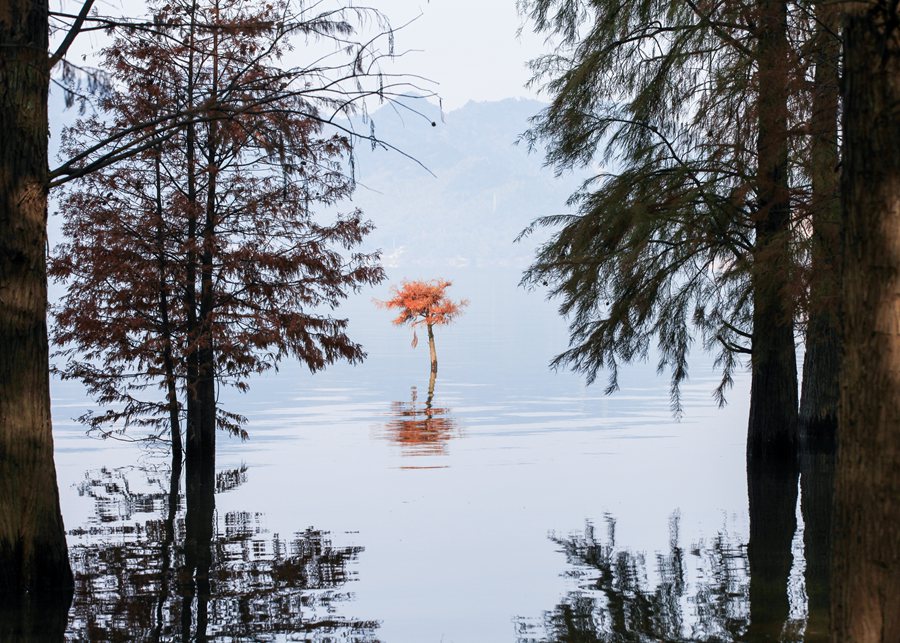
{"x": 424, "y": 302}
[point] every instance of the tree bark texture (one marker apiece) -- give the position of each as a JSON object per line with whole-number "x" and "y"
{"x": 866, "y": 591}
{"x": 33, "y": 553}
{"x": 821, "y": 364}
{"x": 773, "y": 394}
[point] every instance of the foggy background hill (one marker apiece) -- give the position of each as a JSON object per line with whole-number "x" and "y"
{"x": 485, "y": 190}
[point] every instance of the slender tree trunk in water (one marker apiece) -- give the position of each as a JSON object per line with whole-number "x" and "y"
{"x": 431, "y": 349}
{"x": 822, "y": 362}
{"x": 772, "y": 492}
{"x": 431, "y": 382}
{"x": 206, "y": 385}
{"x": 773, "y": 394}
{"x": 201, "y": 503}
{"x": 33, "y": 553}
{"x": 866, "y": 591}
{"x": 201, "y": 455}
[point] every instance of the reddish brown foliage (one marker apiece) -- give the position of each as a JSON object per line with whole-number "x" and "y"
{"x": 206, "y": 242}
{"x": 423, "y": 302}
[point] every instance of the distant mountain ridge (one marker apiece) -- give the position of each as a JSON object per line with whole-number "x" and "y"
{"x": 486, "y": 188}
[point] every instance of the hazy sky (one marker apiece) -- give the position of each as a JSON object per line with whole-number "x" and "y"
{"x": 470, "y": 48}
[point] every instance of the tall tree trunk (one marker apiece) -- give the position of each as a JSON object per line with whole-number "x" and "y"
{"x": 206, "y": 385}
{"x": 866, "y": 590}
{"x": 773, "y": 394}
{"x": 431, "y": 350}
{"x": 821, "y": 364}
{"x": 33, "y": 553}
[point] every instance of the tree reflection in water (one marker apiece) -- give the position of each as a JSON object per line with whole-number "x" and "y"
{"x": 145, "y": 578}
{"x": 421, "y": 429}
{"x": 723, "y": 590}
{"x": 701, "y": 594}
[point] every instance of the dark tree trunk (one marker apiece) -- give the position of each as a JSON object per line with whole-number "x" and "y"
{"x": 199, "y": 516}
{"x": 773, "y": 394}
{"x": 33, "y": 553}
{"x": 772, "y": 494}
{"x": 206, "y": 385}
{"x": 816, "y": 500}
{"x": 822, "y": 361}
{"x": 27, "y": 619}
{"x": 866, "y": 590}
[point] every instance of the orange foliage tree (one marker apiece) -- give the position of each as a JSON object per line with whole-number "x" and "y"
{"x": 424, "y": 302}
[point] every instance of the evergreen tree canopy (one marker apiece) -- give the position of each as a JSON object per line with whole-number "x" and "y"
{"x": 664, "y": 95}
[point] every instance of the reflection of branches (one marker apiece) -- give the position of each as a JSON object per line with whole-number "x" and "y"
{"x": 231, "y": 479}
{"x": 260, "y": 585}
{"x": 616, "y": 601}
{"x": 420, "y": 429}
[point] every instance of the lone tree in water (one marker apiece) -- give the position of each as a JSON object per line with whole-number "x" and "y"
{"x": 424, "y": 302}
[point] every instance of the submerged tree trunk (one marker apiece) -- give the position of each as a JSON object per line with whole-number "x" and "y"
{"x": 199, "y": 516}
{"x": 866, "y": 568}
{"x": 431, "y": 382}
{"x": 821, "y": 364}
{"x": 33, "y": 553}
{"x": 431, "y": 349}
{"x": 772, "y": 494}
{"x": 816, "y": 501}
{"x": 773, "y": 394}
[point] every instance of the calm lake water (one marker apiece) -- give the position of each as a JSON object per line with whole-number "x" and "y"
{"x": 516, "y": 504}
